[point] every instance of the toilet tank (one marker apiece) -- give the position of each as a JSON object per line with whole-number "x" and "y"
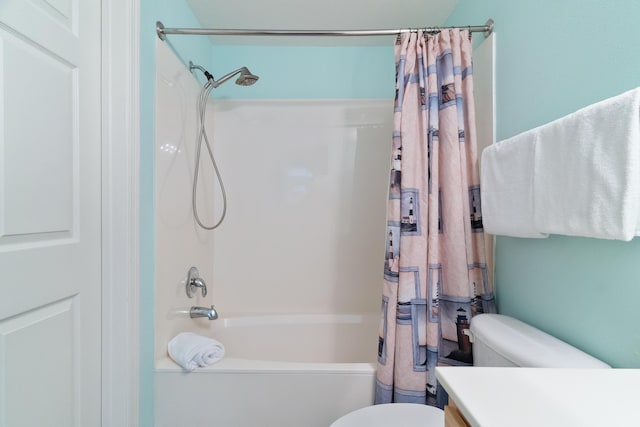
{"x": 500, "y": 340}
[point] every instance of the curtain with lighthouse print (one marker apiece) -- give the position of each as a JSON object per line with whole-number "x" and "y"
{"x": 435, "y": 273}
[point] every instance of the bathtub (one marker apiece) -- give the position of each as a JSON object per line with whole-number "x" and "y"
{"x": 278, "y": 371}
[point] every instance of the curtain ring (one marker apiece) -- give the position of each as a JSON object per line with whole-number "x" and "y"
{"x": 432, "y": 30}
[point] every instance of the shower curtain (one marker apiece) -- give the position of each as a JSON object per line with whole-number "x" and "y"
{"x": 435, "y": 273}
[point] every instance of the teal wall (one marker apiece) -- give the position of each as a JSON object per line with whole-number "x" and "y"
{"x": 171, "y": 13}
{"x": 554, "y": 57}
{"x": 315, "y": 72}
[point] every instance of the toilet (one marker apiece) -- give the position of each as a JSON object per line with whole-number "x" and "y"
{"x": 498, "y": 341}
{"x": 393, "y": 414}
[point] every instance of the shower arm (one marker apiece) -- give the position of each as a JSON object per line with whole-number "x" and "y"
{"x": 207, "y": 74}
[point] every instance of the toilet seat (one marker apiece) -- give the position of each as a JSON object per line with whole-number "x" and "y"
{"x": 393, "y": 414}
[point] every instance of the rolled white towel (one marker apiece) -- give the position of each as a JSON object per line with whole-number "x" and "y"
{"x": 190, "y": 350}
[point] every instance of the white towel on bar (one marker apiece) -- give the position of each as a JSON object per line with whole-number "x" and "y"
{"x": 190, "y": 350}
{"x": 587, "y": 171}
{"x": 506, "y": 187}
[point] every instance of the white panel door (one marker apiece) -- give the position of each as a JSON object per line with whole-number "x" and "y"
{"x": 50, "y": 225}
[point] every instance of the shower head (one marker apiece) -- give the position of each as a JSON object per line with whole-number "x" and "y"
{"x": 245, "y": 78}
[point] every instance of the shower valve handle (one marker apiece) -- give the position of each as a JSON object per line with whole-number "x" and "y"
{"x": 194, "y": 281}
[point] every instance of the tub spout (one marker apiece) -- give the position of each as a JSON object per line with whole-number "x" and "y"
{"x": 209, "y": 313}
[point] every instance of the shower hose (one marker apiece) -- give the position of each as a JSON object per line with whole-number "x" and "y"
{"x": 201, "y": 108}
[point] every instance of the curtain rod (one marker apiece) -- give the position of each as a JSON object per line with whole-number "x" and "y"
{"x": 162, "y": 32}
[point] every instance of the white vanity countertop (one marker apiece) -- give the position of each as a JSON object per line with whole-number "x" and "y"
{"x": 523, "y": 397}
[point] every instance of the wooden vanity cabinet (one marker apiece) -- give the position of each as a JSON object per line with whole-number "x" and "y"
{"x": 453, "y": 417}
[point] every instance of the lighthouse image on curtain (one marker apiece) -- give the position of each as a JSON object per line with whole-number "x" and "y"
{"x": 391, "y": 261}
{"x": 409, "y": 211}
{"x": 396, "y": 171}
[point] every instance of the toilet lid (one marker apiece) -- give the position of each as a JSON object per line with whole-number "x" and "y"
{"x": 393, "y": 414}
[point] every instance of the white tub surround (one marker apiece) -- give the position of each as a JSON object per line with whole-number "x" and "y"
{"x": 180, "y": 243}
{"x": 533, "y": 397}
{"x": 300, "y": 338}
{"x": 307, "y": 184}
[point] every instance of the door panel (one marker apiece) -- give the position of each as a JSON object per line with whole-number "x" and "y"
{"x": 38, "y": 195}
{"x": 25, "y": 341}
{"x": 50, "y": 171}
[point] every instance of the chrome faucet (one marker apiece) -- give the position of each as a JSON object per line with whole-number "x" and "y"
{"x": 198, "y": 283}
{"x": 193, "y": 282}
{"x": 210, "y": 313}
